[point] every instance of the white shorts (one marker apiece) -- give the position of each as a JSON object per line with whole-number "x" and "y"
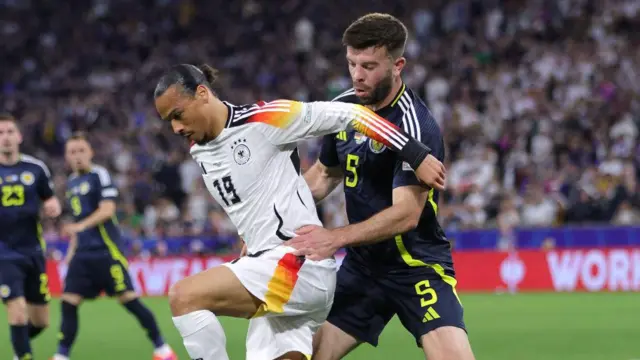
{"x": 297, "y": 296}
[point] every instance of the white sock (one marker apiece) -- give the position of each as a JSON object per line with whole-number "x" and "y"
{"x": 202, "y": 335}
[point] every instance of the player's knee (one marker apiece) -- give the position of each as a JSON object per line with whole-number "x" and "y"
{"x": 447, "y": 343}
{"x": 17, "y": 311}
{"x": 73, "y": 299}
{"x": 331, "y": 343}
{"x": 182, "y": 299}
{"x": 127, "y": 296}
{"x": 41, "y": 321}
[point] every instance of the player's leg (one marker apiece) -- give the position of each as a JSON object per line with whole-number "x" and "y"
{"x": 37, "y": 296}
{"x": 446, "y": 338}
{"x": 447, "y": 342}
{"x": 428, "y": 306}
{"x": 197, "y": 300}
{"x": 331, "y": 342}
{"x": 19, "y": 328}
{"x": 38, "y": 319}
{"x": 297, "y": 294}
{"x": 120, "y": 285}
{"x": 78, "y": 285}
{"x": 70, "y": 301}
{"x": 12, "y": 281}
{"x": 256, "y": 287}
{"x": 359, "y": 314}
{"x": 280, "y": 338}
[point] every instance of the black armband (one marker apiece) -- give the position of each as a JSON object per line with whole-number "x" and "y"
{"x": 414, "y": 152}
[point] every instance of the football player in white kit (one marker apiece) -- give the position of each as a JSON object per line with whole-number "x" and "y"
{"x": 250, "y": 165}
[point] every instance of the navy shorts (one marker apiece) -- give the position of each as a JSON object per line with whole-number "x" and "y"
{"x": 364, "y": 303}
{"x": 25, "y": 276}
{"x": 88, "y": 276}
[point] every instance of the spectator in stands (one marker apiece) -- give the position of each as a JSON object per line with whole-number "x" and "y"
{"x": 538, "y": 100}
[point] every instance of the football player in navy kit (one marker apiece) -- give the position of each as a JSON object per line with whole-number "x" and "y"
{"x": 398, "y": 258}
{"x": 96, "y": 262}
{"x": 25, "y": 183}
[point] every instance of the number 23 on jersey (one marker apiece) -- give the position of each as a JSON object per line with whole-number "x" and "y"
{"x": 12, "y": 195}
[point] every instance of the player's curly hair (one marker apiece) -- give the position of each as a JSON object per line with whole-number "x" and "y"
{"x": 377, "y": 30}
{"x": 188, "y": 77}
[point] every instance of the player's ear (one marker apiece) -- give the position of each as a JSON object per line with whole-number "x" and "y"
{"x": 202, "y": 93}
{"x": 398, "y": 65}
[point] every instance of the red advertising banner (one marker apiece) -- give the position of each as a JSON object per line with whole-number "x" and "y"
{"x": 598, "y": 269}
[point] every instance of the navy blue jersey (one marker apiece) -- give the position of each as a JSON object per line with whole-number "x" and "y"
{"x": 84, "y": 194}
{"x": 372, "y": 172}
{"x": 23, "y": 186}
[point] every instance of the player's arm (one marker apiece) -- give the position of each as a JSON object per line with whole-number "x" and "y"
{"x": 325, "y": 174}
{"x": 402, "y": 216}
{"x": 291, "y": 121}
{"x": 409, "y": 200}
{"x": 322, "y": 180}
{"x": 50, "y": 203}
{"x": 105, "y": 211}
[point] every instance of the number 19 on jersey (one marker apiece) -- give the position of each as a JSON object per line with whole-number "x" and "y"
{"x": 229, "y": 195}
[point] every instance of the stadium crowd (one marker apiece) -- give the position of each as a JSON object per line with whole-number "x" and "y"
{"x": 538, "y": 99}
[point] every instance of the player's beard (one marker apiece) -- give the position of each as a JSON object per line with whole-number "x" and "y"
{"x": 380, "y": 92}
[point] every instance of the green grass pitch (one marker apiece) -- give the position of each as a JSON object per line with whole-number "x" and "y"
{"x": 604, "y": 326}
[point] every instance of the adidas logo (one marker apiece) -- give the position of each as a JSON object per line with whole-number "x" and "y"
{"x": 342, "y": 135}
{"x": 431, "y": 314}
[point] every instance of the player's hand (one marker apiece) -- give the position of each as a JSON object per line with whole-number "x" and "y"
{"x": 52, "y": 208}
{"x": 432, "y": 172}
{"x": 72, "y": 229}
{"x": 314, "y": 242}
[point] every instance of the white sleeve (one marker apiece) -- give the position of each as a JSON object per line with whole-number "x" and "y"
{"x": 287, "y": 121}
{"x": 107, "y": 189}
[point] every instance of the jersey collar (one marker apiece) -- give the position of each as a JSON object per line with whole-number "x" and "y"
{"x": 229, "y": 114}
{"x": 398, "y": 95}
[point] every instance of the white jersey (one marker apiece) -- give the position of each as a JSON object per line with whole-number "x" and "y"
{"x": 252, "y": 168}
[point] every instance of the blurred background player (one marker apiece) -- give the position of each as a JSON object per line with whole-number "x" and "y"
{"x": 250, "y": 165}
{"x": 26, "y": 187}
{"x": 398, "y": 258}
{"x": 95, "y": 260}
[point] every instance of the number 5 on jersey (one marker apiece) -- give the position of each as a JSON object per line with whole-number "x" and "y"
{"x": 351, "y": 180}
{"x": 229, "y": 196}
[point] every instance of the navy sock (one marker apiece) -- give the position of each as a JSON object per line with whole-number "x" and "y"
{"x": 146, "y": 319}
{"x": 34, "y": 331}
{"x": 20, "y": 341}
{"x": 68, "y": 328}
